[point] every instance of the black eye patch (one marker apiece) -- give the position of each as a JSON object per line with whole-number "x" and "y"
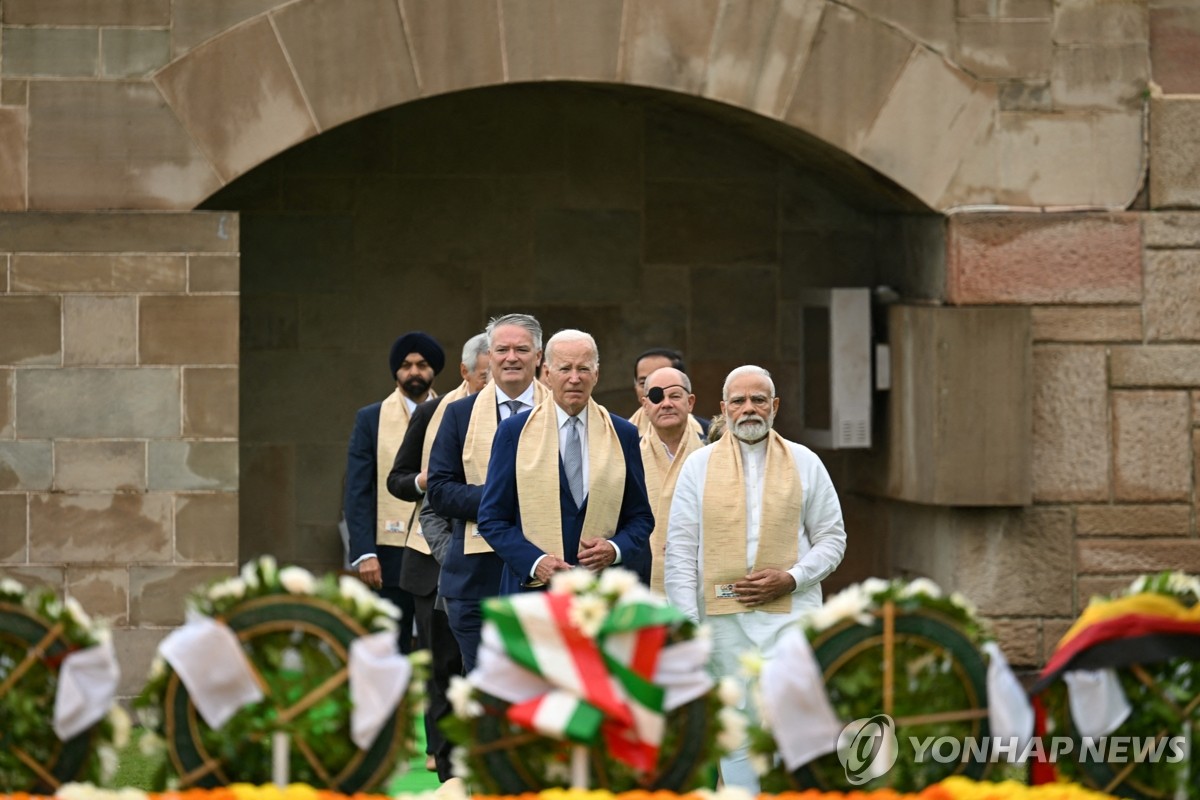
{"x": 656, "y": 395}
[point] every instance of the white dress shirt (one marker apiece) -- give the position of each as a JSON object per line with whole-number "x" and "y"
{"x": 526, "y": 398}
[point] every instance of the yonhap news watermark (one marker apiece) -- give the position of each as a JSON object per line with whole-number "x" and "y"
{"x": 869, "y": 748}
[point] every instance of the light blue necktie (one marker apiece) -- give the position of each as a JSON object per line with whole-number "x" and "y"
{"x": 514, "y": 407}
{"x": 573, "y": 461}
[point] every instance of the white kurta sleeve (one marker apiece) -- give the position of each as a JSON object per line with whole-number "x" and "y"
{"x": 681, "y": 570}
{"x": 822, "y": 524}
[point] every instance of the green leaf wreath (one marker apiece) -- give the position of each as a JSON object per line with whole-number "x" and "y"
{"x": 1163, "y": 700}
{"x": 295, "y": 629}
{"x": 31, "y": 755}
{"x": 937, "y": 668}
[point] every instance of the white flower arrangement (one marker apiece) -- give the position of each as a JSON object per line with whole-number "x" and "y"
{"x": 1180, "y": 585}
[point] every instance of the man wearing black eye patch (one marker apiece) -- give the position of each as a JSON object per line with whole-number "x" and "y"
{"x": 655, "y": 358}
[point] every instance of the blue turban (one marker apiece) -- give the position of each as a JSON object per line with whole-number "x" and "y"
{"x": 417, "y": 342}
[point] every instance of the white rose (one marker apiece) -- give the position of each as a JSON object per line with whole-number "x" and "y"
{"x": 9, "y": 586}
{"x": 458, "y": 763}
{"x": 873, "y": 586}
{"x": 233, "y": 588}
{"x": 587, "y": 613}
{"x": 108, "y": 763}
{"x": 297, "y": 580}
{"x": 615, "y": 582}
{"x": 121, "y": 725}
{"x": 158, "y": 667}
{"x": 573, "y": 581}
{"x": 270, "y": 569}
{"x": 760, "y": 764}
{"x": 420, "y": 658}
{"x": 75, "y": 610}
{"x": 750, "y": 663}
{"x": 151, "y": 744}
{"x": 729, "y": 691}
{"x": 386, "y": 607}
{"x": 149, "y": 716}
{"x": 962, "y": 601}
{"x": 733, "y": 729}
{"x": 250, "y": 574}
{"x": 461, "y": 695}
{"x": 921, "y": 586}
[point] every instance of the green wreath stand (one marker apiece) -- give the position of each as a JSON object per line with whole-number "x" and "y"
{"x": 206, "y": 758}
{"x": 899, "y": 642}
{"x": 508, "y": 752}
{"x": 31, "y": 653}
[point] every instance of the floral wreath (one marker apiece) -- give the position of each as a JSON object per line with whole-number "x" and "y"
{"x": 936, "y": 687}
{"x": 597, "y": 682}
{"x": 1156, "y": 618}
{"x": 37, "y": 633}
{"x": 296, "y": 631}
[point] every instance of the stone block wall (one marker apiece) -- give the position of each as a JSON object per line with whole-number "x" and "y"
{"x": 119, "y": 412}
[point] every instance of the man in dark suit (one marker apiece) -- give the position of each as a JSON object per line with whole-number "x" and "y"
{"x": 419, "y": 571}
{"x": 458, "y": 468}
{"x": 577, "y": 493}
{"x": 378, "y": 523}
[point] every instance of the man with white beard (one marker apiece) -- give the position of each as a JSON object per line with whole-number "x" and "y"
{"x": 753, "y": 493}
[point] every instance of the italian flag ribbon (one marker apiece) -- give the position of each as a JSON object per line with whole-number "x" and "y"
{"x": 601, "y": 685}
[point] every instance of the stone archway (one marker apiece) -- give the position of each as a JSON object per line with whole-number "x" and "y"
{"x": 863, "y": 86}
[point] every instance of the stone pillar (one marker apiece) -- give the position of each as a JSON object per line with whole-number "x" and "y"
{"x": 119, "y": 412}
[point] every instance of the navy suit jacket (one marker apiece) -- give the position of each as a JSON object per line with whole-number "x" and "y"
{"x": 359, "y": 503}
{"x": 500, "y": 513}
{"x": 463, "y": 577}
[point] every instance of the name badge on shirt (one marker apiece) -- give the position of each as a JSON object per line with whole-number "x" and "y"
{"x": 725, "y": 591}
{"x": 394, "y": 525}
{"x": 472, "y": 530}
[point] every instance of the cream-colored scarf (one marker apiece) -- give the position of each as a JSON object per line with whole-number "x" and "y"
{"x": 724, "y": 520}
{"x": 661, "y": 474}
{"x": 392, "y": 515}
{"x": 641, "y": 421}
{"x": 538, "y": 481}
{"x": 477, "y": 452}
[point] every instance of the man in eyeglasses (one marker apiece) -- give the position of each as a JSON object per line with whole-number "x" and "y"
{"x": 673, "y": 435}
{"x": 755, "y": 526}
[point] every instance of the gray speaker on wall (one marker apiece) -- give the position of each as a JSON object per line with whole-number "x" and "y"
{"x": 835, "y": 368}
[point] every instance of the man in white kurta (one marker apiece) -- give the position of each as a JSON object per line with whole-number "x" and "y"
{"x": 749, "y": 611}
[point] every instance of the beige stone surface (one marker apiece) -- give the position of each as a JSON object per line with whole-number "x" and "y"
{"x": 1070, "y": 423}
{"x": 103, "y": 592}
{"x": 87, "y": 12}
{"x": 1069, "y": 158}
{"x": 667, "y": 42}
{"x": 930, "y": 21}
{"x": 1081, "y": 21}
{"x": 119, "y": 232}
{"x": 50, "y": 52}
{"x": 132, "y": 403}
{"x": 1174, "y": 42}
{"x": 1175, "y": 152}
{"x": 930, "y": 100}
{"x": 848, "y": 75}
{"x": 1100, "y": 76}
{"x": 99, "y": 466}
{"x": 1004, "y": 48}
{"x": 194, "y": 21}
{"x": 7, "y": 404}
{"x": 156, "y": 593}
{"x": 1171, "y": 229}
{"x": 98, "y": 273}
{"x": 14, "y": 92}
{"x": 578, "y": 39}
{"x": 350, "y": 55}
{"x": 111, "y": 144}
{"x": 1173, "y": 295}
{"x": 99, "y": 528}
{"x": 13, "y": 128}
{"x": 51, "y": 577}
{"x": 1135, "y": 556}
{"x": 13, "y": 528}
{"x": 136, "y": 649}
{"x": 1020, "y": 640}
{"x": 238, "y": 98}
{"x": 1156, "y": 365}
{"x": 1017, "y": 562}
{"x": 1088, "y": 587}
{"x": 206, "y": 527}
{"x": 1133, "y": 520}
{"x": 32, "y": 330}
{"x": 99, "y": 330}
{"x": 1195, "y": 407}
{"x": 456, "y": 43}
{"x": 1052, "y": 632}
{"x": 1017, "y": 9}
{"x": 1151, "y": 452}
{"x": 26, "y": 465}
{"x": 133, "y": 53}
{"x": 192, "y": 466}
{"x": 210, "y": 402}
{"x": 1087, "y": 324}
{"x": 214, "y": 273}
{"x": 188, "y": 330}
{"x": 1044, "y": 258}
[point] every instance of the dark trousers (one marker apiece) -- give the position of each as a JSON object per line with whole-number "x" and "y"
{"x": 466, "y": 621}
{"x": 404, "y": 626}
{"x": 434, "y": 634}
